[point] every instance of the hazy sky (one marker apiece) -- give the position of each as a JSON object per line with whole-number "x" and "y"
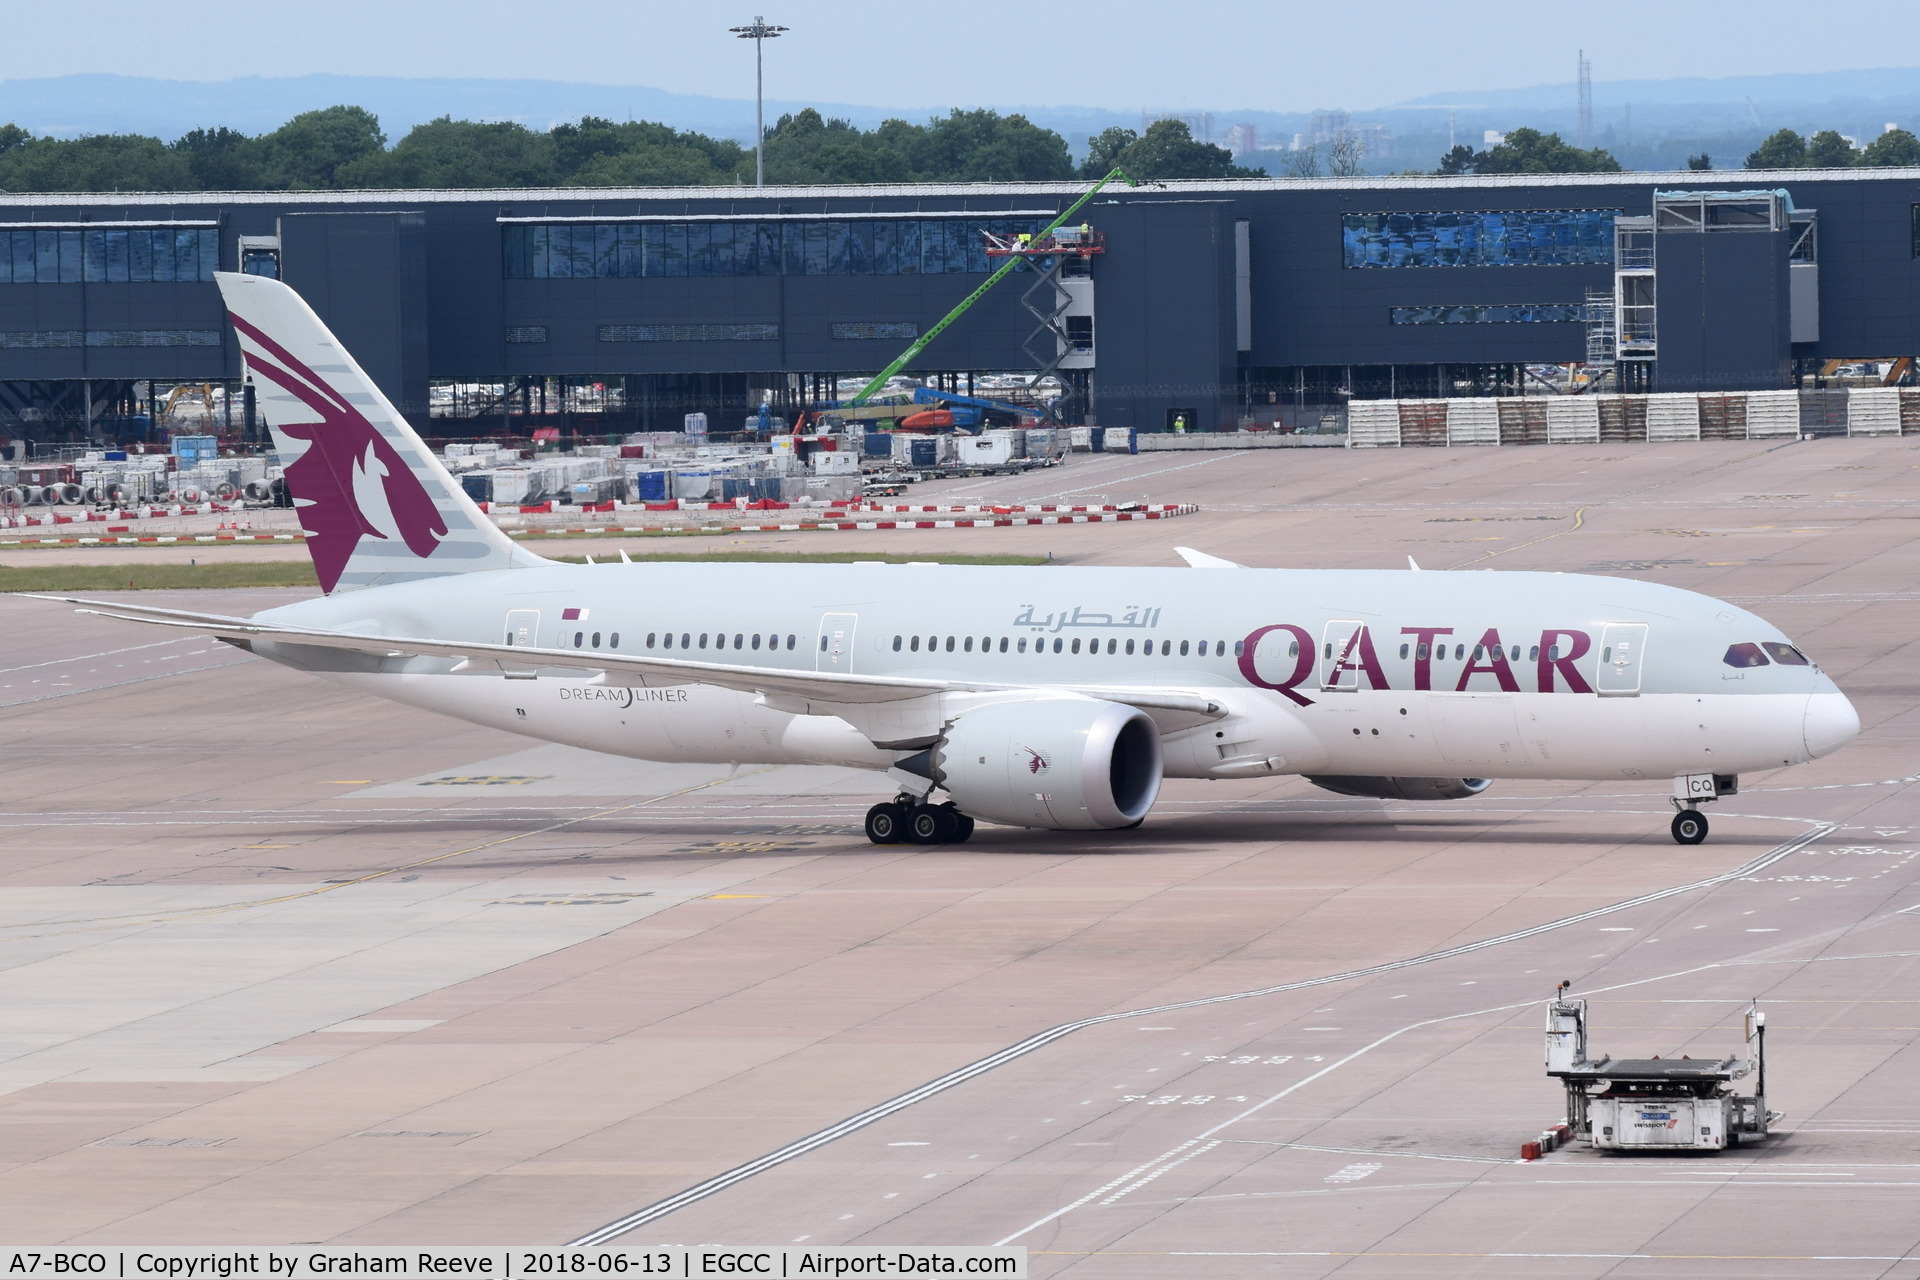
{"x": 1121, "y": 54}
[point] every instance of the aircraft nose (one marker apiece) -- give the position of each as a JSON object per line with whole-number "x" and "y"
{"x": 1831, "y": 723}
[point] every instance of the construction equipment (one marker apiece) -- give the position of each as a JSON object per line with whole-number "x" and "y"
{"x": 1012, "y": 260}
{"x": 950, "y": 410}
{"x": 1656, "y": 1104}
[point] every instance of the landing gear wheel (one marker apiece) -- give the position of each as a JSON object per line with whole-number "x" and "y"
{"x": 1689, "y": 826}
{"x": 930, "y": 824}
{"x": 887, "y": 824}
{"x": 962, "y": 824}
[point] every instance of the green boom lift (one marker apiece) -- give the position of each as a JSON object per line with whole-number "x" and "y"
{"x": 920, "y": 344}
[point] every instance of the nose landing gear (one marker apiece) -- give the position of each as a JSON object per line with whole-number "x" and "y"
{"x": 908, "y": 821}
{"x": 1690, "y": 791}
{"x": 1689, "y": 826}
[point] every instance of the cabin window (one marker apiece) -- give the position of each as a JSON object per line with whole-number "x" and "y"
{"x": 914, "y": 646}
{"x": 1403, "y": 651}
{"x": 1327, "y": 650}
{"x": 1533, "y": 654}
{"x": 949, "y": 644}
{"x": 1785, "y": 654}
{"x": 1515, "y": 655}
{"x": 1129, "y": 648}
{"x": 1022, "y": 648}
{"x": 1183, "y": 648}
{"x": 1203, "y": 649}
{"x": 596, "y": 639}
{"x": 756, "y": 639}
{"x": 1744, "y": 655}
{"x": 686, "y": 640}
{"x": 1059, "y": 644}
{"x": 668, "y": 639}
{"x": 792, "y": 641}
{"x": 1478, "y": 652}
{"x": 1459, "y": 652}
{"x": 1239, "y": 648}
{"x": 738, "y": 640}
{"x": 1113, "y": 646}
{"x": 1423, "y": 652}
{"x": 652, "y": 635}
{"x": 1166, "y": 648}
{"x": 1076, "y": 644}
{"x": 1553, "y": 654}
{"x": 577, "y": 638}
{"x": 896, "y": 644}
{"x": 1003, "y": 644}
{"x": 1293, "y": 648}
{"x": 615, "y": 639}
{"x": 703, "y": 639}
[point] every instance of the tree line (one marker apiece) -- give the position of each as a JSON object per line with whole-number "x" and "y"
{"x": 344, "y": 148}
{"x": 1529, "y": 151}
{"x": 1827, "y": 149}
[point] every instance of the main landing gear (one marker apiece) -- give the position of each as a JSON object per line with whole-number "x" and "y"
{"x": 906, "y": 821}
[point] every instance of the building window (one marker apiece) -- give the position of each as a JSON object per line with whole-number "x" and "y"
{"x": 689, "y": 333}
{"x": 863, "y": 247}
{"x": 112, "y": 255}
{"x": 32, "y": 339}
{"x": 1079, "y": 334}
{"x": 869, "y": 330}
{"x": 1506, "y": 238}
{"x": 1916, "y": 231}
{"x": 1494, "y": 313}
{"x": 526, "y": 333}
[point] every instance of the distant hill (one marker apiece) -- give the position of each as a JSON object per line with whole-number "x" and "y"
{"x": 68, "y": 106}
{"x": 1646, "y": 123}
{"x": 1783, "y": 90}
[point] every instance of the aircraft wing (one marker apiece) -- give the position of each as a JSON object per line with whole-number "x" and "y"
{"x": 824, "y": 687}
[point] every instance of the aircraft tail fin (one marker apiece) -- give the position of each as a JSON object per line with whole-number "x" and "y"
{"x": 376, "y": 505}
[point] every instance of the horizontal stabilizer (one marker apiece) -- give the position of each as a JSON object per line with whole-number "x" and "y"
{"x": 1201, "y": 560}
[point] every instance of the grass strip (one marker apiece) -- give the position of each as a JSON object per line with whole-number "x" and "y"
{"x": 299, "y": 573}
{"x": 159, "y": 577}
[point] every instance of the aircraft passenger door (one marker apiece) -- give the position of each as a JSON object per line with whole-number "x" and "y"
{"x": 835, "y": 652}
{"x": 1623, "y": 651}
{"x": 1335, "y": 637}
{"x": 523, "y": 629}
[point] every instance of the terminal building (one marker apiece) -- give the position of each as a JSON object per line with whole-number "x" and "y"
{"x": 1207, "y": 305}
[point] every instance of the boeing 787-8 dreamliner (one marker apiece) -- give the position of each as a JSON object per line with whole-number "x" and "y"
{"x": 1051, "y": 697}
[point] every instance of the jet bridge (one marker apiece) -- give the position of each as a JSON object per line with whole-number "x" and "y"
{"x": 1656, "y": 1104}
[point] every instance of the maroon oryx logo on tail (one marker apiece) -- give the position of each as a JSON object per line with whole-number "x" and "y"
{"x": 351, "y": 483}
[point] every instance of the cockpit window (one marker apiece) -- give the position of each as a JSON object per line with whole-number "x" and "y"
{"x": 1785, "y": 654}
{"x": 1746, "y": 655}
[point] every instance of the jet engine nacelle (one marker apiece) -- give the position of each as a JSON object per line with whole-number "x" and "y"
{"x": 1403, "y": 788}
{"x": 1069, "y": 764}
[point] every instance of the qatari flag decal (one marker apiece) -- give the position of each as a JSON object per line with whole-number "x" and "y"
{"x": 573, "y": 615}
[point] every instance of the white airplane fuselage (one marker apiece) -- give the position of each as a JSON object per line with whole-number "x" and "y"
{"x": 1326, "y": 672}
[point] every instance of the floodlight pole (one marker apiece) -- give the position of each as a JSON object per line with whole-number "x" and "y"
{"x": 759, "y": 33}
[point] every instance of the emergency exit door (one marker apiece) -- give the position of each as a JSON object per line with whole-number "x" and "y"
{"x": 836, "y": 642}
{"x": 1623, "y": 655}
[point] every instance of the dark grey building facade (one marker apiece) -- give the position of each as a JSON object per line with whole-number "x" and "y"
{"x": 1215, "y": 302}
